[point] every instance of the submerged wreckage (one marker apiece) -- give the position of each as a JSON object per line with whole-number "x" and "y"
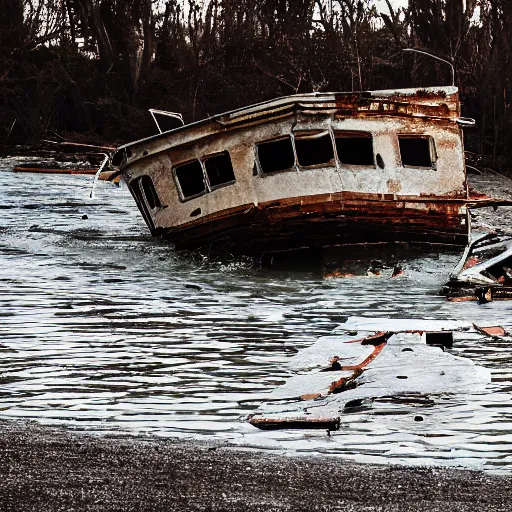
{"x": 484, "y": 272}
{"x": 371, "y": 358}
{"x": 308, "y": 171}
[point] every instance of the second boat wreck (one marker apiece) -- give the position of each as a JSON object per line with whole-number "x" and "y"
{"x": 308, "y": 171}
{"x": 484, "y": 272}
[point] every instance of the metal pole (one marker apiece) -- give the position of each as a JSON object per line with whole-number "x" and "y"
{"x": 434, "y": 57}
{"x": 97, "y": 175}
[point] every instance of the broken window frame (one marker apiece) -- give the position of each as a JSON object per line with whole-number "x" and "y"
{"x": 205, "y": 159}
{"x": 259, "y": 168}
{"x": 432, "y": 150}
{"x": 144, "y": 190}
{"x": 208, "y": 187}
{"x": 353, "y": 134}
{"x": 138, "y": 192}
{"x": 310, "y": 135}
{"x": 182, "y": 196}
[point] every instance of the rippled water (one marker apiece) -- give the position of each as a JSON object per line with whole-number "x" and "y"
{"x": 104, "y": 328}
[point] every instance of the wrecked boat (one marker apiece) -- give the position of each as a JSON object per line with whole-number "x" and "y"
{"x": 484, "y": 272}
{"x": 307, "y": 171}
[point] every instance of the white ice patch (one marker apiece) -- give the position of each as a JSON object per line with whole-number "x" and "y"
{"x": 318, "y": 355}
{"x": 361, "y": 323}
{"x": 406, "y": 365}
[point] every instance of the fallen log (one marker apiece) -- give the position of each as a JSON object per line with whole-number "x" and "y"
{"x": 106, "y": 175}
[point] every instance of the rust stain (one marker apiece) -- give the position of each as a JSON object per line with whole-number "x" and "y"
{"x": 379, "y": 341}
{"x": 471, "y": 262}
{"x": 394, "y": 186}
{"x": 324, "y": 423}
{"x": 376, "y": 351}
{"x": 371, "y": 340}
{"x": 311, "y": 396}
{"x": 345, "y": 383}
{"x": 494, "y": 331}
{"x": 336, "y": 273}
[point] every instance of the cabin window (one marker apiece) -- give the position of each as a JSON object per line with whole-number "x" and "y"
{"x": 143, "y": 187}
{"x": 354, "y": 148}
{"x": 314, "y": 149}
{"x": 135, "y": 190}
{"x": 276, "y": 155}
{"x": 146, "y": 185}
{"x": 219, "y": 170}
{"x": 417, "y": 151}
{"x": 191, "y": 179}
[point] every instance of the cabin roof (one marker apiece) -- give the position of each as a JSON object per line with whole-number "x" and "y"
{"x": 435, "y": 97}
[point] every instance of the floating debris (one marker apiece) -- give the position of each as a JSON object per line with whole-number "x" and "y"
{"x": 484, "y": 273}
{"x": 403, "y": 357}
{"x": 55, "y": 168}
{"x": 494, "y": 331}
{"x": 329, "y": 424}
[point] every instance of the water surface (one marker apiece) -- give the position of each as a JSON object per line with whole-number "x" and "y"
{"x": 105, "y": 329}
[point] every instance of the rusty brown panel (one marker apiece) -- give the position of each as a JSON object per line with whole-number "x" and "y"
{"x": 429, "y": 94}
{"x": 481, "y": 294}
{"x": 493, "y": 331}
{"x": 378, "y": 107}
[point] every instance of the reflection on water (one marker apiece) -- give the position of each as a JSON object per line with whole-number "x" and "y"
{"x": 106, "y": 329}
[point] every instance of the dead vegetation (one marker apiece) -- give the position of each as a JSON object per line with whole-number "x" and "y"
{"x": 91, "y": 68}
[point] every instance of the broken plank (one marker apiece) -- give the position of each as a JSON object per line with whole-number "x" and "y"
{"x": 295, "y": 422}
{"x": 493, "y": 331}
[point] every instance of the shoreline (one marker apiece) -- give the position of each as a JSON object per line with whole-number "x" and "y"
{"x": 49, "y": 469}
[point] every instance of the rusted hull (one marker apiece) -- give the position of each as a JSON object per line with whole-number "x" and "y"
{"x": 324, "y": 220}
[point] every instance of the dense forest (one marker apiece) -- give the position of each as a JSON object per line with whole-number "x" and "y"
{"x": 89, "y": 69}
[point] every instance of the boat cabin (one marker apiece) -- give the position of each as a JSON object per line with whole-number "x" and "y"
{"x": 306, "y": 171}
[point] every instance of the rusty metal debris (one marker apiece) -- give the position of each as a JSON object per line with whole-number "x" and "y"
{"x": 484, "y": 273}
{"x": 359, "y": 268}
{"x": 393, "y": 357}
{"x": 495, "y": 331}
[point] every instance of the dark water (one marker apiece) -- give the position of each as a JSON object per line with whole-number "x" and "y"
{"x": 105, "y": 329}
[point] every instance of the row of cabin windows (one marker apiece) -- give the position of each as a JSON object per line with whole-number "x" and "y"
{"x": 200, "y": 176}
{"x": 315, "y": 149}
{"x": 351, "y": 149}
